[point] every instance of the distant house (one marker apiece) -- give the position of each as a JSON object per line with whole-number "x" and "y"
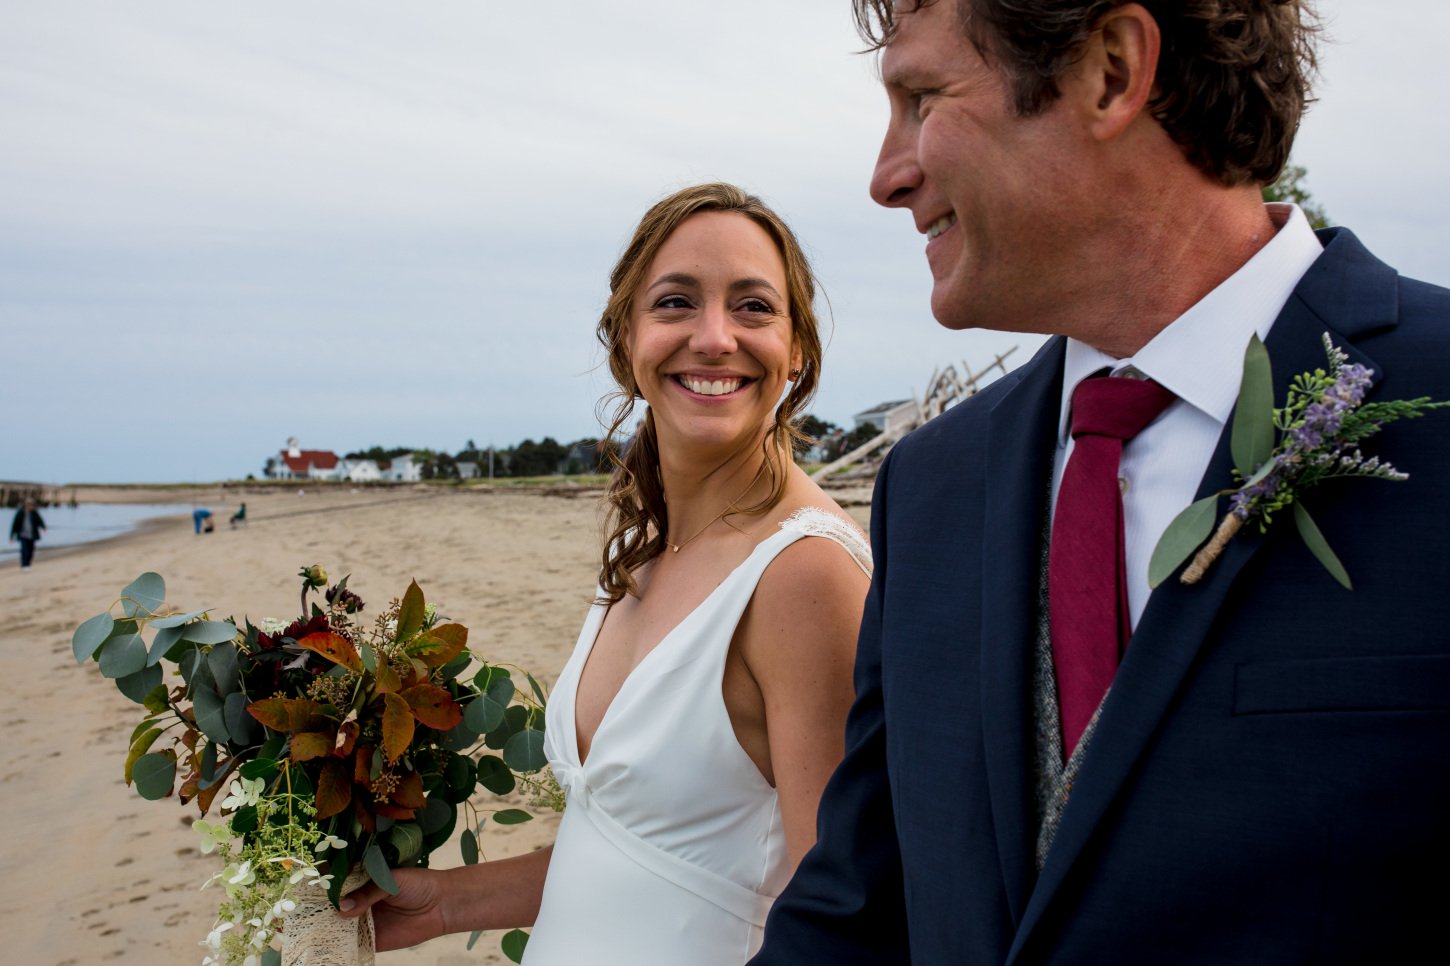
{"x": 361, "y": 471}
{"x": 401, "y": 469}
{"x": 583, "y": 457}
{"x": 467, "y": 469}
{"x": 295, "y": 463}
{"x": 889, "y": 417}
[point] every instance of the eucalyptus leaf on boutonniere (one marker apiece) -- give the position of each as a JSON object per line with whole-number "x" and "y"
{"x": 1318, "y": 432}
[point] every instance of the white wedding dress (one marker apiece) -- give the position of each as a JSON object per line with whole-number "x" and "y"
{"x": 670, "y": 850}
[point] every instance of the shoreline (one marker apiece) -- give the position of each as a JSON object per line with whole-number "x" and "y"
{"x": 852, "y": 494}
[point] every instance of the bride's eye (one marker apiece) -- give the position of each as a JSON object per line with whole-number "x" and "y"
{"x": 757, "y": 307}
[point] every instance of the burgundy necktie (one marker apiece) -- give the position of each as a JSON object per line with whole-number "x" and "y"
{"x": 1086, "y": 571}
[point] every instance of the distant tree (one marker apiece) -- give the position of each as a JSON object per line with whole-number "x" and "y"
{"x": 1290, "y": 187}
{"x": 859, "y": 436}
{"x": 379, "y": 454}
{"x": 817, "y": 429}
{"x": 443, "y": 466}
{"x": 543, "y": 458}
{"x": 269, "y": 467}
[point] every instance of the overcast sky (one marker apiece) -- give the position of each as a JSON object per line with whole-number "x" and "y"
{"x": 357, "y": 222}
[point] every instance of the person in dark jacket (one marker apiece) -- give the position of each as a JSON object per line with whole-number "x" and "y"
{"x": 27, "y": 527}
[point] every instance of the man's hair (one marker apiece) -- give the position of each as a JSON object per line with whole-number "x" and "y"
{"x": 1233, "y": 76}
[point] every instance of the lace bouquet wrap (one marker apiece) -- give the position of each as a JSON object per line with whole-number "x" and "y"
{"x": 314, "y": 934}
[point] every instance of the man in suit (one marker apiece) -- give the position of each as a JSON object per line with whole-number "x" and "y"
{"x": 1265, "y": 779}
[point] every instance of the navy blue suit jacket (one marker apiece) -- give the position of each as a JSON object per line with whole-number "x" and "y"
{"x": 1270, "y": 778}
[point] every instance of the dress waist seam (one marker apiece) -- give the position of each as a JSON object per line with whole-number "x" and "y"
{"x": 731, "y": 897}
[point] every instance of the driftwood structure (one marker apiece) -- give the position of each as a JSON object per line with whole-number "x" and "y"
{"x": 944, "y": 389}
{"x": 13, "y": 494}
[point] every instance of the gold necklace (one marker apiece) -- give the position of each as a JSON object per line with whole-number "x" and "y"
{"x": 675, "y": 547}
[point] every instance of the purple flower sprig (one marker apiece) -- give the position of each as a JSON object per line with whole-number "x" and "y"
{"x": 1315, "y": 437}
{"x": 1320, "y": 427}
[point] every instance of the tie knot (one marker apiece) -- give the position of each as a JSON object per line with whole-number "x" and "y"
{"x": 1116, "y": 406}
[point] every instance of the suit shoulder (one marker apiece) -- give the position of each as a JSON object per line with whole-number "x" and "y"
{"x": 962, "y": 423}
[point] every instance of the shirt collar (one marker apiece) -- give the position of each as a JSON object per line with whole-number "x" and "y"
{"x": 1199, "y": 356}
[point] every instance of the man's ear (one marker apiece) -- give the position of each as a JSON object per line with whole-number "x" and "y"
{"x": 1116, "y": 75}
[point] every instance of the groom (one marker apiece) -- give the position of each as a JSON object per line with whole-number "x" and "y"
{"x": 1048, "y": 762}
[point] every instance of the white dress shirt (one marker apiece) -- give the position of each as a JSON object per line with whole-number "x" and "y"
{"x": 1199, "y": 357}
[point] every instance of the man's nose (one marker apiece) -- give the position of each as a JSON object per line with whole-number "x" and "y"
{"x": 897, "y": 174}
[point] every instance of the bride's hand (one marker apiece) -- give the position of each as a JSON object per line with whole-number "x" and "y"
{"x": 412, "y": 916}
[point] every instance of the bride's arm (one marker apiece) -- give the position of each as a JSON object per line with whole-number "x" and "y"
{"x": 798, "y": 639}
{"x": 501, "y": 894}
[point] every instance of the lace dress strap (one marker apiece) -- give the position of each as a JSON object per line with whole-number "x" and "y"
{"x": 814, "y": 522}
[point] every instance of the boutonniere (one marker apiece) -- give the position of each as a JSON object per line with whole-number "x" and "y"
{"x": 1279, "y": 454}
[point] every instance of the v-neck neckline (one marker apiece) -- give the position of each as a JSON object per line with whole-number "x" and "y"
{"x": 602, "y": 613}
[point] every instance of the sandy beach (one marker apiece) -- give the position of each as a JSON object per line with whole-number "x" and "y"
{"x": 92, "y": 873}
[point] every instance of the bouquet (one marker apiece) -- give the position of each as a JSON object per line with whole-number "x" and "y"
{"x": 340, "y": 747}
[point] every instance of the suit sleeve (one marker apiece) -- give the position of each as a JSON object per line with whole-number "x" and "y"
{"x": 846, "y": 904}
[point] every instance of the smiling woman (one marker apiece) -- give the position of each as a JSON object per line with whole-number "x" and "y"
{"x": 763, "y": 292}
{"x": 703, "y": 708}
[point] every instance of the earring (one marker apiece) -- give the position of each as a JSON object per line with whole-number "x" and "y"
{"x": 793, "y": 375}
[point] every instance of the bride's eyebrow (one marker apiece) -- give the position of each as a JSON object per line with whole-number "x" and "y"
{"x": 754, "y": 283}
{"x": 675, "y": 278}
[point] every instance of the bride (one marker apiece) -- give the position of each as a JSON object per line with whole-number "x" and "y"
{"x": 703, "y": 709}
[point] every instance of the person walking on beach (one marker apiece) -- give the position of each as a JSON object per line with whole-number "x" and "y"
{"x": 1048, "y": 761}
{"x": 27, "y": 526}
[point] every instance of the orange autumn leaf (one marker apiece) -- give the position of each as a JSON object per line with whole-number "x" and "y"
{"x": 397, "y": 726}
{"x": 396, "y": 812}
{"x": 287, "y": 714}
{"x": 441, "y": 644}
{"x": 307, "y": 745}
{"x": 335, "y": 648}
{"x": 365, "y": 818}
{"x": 362, "y": 765}
{"x": 433, "y": 706}
{"x": 334, "y": 789}
{"x": 388, "y": 679}
{"x": 409, "y": 793}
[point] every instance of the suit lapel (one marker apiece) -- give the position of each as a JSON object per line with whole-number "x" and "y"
{"x": 1018, "y": 467}
{"x": 1347, "y": 292}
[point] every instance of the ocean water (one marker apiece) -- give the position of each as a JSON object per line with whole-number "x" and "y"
{"x": 70, "y": 525}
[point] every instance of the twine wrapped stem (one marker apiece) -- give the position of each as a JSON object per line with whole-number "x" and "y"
{"x": 1193, "y": 573}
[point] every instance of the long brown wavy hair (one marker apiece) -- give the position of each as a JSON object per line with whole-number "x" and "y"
{"x": 638, "y": 518}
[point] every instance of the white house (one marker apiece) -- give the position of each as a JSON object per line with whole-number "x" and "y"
{"x": 467, "y": 469}
{"x": 888, "y": 417}
{"x": 361, "y": 471}
{"x": 402, "y": 469}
